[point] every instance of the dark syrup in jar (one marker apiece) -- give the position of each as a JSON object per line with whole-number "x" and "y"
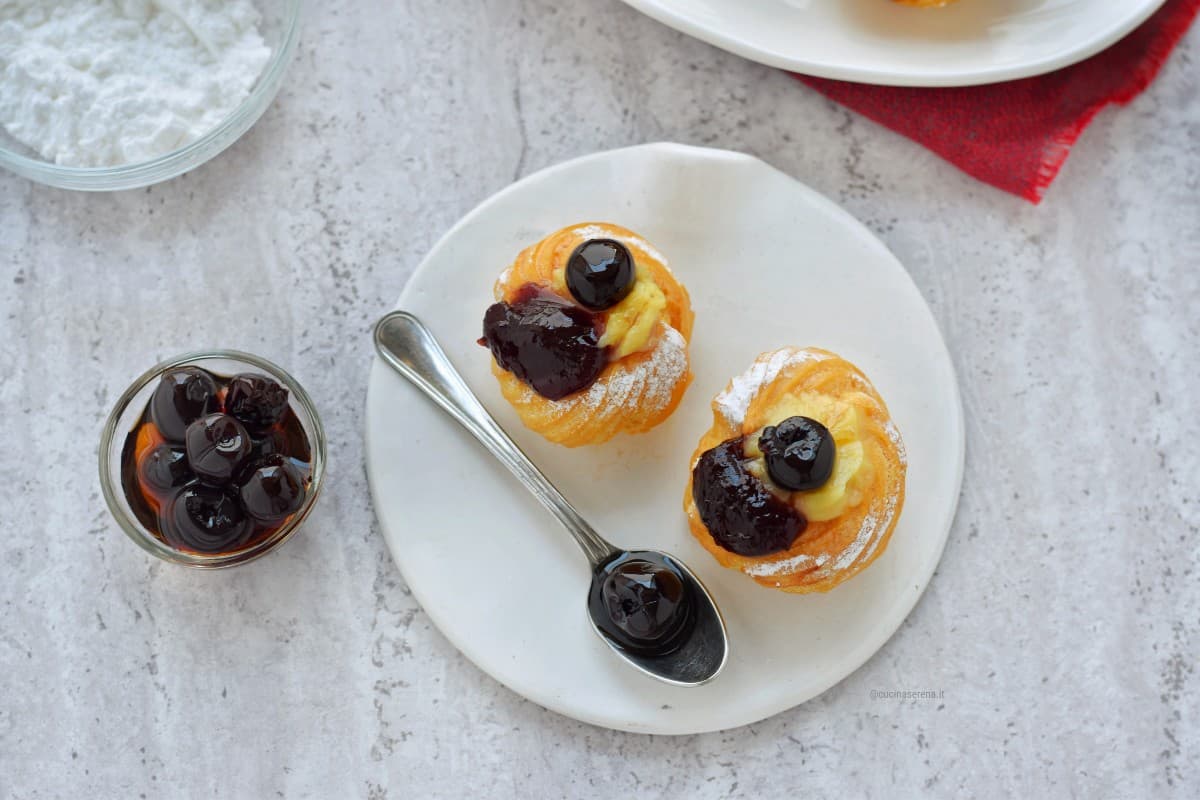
{"x": 225, "y": 511}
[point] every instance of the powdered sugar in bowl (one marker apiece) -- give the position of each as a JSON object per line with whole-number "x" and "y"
{"x": 100, "y": 95}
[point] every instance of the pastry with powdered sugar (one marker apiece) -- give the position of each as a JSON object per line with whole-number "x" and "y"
{"x": 800, "y": 480}
{"x": 589, "y": 335}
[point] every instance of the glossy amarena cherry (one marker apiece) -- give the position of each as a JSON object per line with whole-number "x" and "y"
{"x": 643, "y": 603}
{"x": 183, "y": 395}
{"x": 273, "y": 491}
{"x": 600, "y": 273}
{"x": 205, "y": 518}
{"x": 799, "y": 453}
{"x": 164, "y": 468}
{"x": 256, "y": 401}
{"x": 217, "y": 448}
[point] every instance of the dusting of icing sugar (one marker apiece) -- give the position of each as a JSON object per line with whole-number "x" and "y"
{"x": 653, "y": 381}
{"x": 735, "y": 399}
{"x": 649, "y": 386}
{"x": 866, "y": 530}
{"x": 893, "y": 434}
{"x": 862, "y": 383}
{"x": 650, "y": 249}
{"x": 786, "y": 566}
{"x": 591, "y": 232}
{"x": 869, "y": 535}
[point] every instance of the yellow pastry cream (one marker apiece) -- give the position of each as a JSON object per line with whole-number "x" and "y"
{"x": 846, "y": 474}
{"x": 630, "y": 325}
{"x": 851, "y": 471}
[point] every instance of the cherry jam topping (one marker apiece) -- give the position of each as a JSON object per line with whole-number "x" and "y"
{"x": 549, "y": 344}
{"x": 799, "y": 453}
{"x": 642, "y": 602}
{"x": 739, "y": 511}
{"x": 236, "y": 471}
{"x": 600, "y": 273}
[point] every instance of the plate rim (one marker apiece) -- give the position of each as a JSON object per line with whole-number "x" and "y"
{"x": 858, "y": 655}
{"x": 680, "y": 21}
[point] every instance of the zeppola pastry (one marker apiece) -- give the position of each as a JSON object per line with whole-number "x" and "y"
{"x": 589, "y": 335}
{"x": 800, "y": 480}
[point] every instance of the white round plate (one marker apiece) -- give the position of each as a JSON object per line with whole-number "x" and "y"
{"x": 877, "y": 41}
{"x": 768, "y": 263}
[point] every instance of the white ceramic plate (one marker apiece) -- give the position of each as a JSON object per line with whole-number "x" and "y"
{"x": 768, "y": 262}
{"x": 878, "y": 41}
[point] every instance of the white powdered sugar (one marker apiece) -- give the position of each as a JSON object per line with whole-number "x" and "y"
{"x": 786, "y": 566}
{"x": 649, "y": 386}
{"x": 877, "y": 520}
{"x": 733, "y": 402}
{"x": 868, "y": 538}
{"x": 736, "y": 398}
{"x": 893, "y": 434}
{"x": 591, "y": 232}
{"x": 96, "y": 83}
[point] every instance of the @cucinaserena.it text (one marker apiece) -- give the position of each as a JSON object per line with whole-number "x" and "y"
{"x": 904, "y": 694}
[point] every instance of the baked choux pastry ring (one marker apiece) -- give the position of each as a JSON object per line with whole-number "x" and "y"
{"x": 800, "y": 480}
{"x": 589, "y": 335}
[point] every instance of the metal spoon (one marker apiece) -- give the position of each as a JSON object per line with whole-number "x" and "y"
{"x": 407, "y": 346}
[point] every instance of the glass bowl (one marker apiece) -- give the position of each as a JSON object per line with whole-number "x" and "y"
{"x": 280, "y": 29}
{"x": 126, "y": 415}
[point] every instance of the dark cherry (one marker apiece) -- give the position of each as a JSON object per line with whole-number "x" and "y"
{"x": 205, "y": 518}
{"x": 273, "y": 490}
{"x": 643, "y": 603}
{"x": 737, "y": 508}
{"x": 548, "y": 343}
{"x": 182, "y": 396}
{"x": 163, "y": 469}
{"x": 799, "y": 453}
{"x": 217, "y": 448}
{"x": 600, "y": 273}
{"x": 256, "y": 401}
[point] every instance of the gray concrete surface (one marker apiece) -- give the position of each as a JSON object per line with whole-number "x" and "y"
{"x": 1063, "y": 624}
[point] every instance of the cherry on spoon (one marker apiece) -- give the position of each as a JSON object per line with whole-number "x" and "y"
{"x": 646, "y": 605}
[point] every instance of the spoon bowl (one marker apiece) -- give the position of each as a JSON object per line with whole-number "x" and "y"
{"x": 700, "y": 657}
{"x": 408, "y": 347}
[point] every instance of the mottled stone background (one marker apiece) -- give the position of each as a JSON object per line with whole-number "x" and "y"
{"x": 1064, "y": 622}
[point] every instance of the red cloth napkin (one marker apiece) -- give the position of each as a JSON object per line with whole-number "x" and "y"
{"x": 1016, "y": 135}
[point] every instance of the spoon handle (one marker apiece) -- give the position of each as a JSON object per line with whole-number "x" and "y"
{"x": 408, "y": 347}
